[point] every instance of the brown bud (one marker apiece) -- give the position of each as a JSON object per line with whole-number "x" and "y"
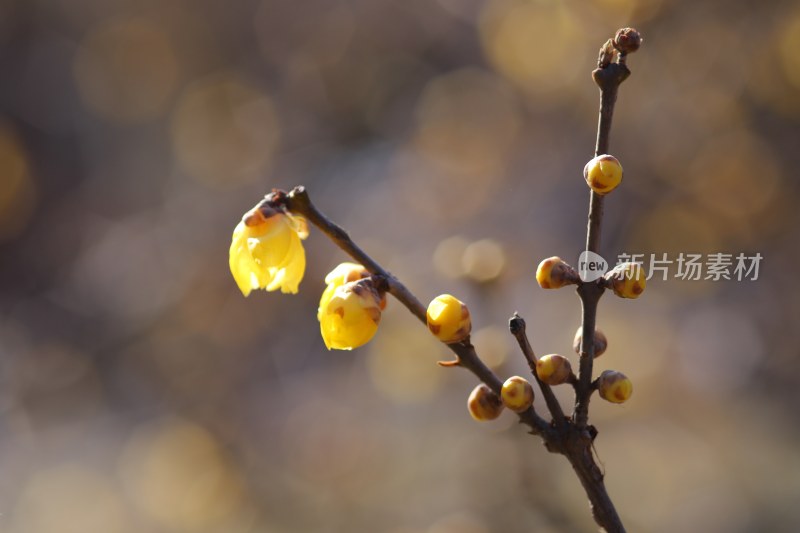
{"x": 614, "y": 386}
{"x": 627, "y": 40}
{"x": 600, "y": 342}
{"x": 553, "y": 369}
{"x": 517, "y": 394}
{"x": 484, "y": 404}
{"x": 554, "y": 273}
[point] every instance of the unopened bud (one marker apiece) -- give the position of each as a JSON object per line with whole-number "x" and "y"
{"x": 554, "y": 273}
{"x": 614, "y": 386}
{"x": 627, "y": 280}
{"x": 603, "y": 173}
{"x": 600, "y": 342}
{"x": 349, "y": 317}
{"x": 448, "y": 319}
{"x": 484, "y": 404}
{"x": 553, "y": 369}
{"x": 627, "y": 40}
{"x": 517, "y": 394}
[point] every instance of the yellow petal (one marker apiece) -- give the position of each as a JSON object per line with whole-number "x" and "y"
{"x": 344, "y": 273}
{"x": 287, "y": 275}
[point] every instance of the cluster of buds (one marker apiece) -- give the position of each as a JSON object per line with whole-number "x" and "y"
{"x": 603, "y": 174}
{"x": 484, "y": 404}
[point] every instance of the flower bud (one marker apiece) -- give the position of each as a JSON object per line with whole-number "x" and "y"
{"x": 350, "y": 317}
{"x": 600, "y": 342}
{"x": 614, "y": 386}
{"x": 484, "y": 404}
{"x": 627, "y": 40}
{"x": 603, "y": 174}
{"x": 517, "y": 394}
{"x": 448, "y": 319}
{"x": 554, "y": 273}
{"x": 627, "y": 280}
{"x": 553, "y": 369}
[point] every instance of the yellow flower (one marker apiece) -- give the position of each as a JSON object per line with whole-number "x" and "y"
{"x": 349, "y": 314}
{"x": 266, "y": 252}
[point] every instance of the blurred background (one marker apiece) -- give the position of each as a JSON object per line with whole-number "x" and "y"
{"x": 139, "y": 391}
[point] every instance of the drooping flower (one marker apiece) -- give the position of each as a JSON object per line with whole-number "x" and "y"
{"x": 349, "y": 314}
{"x": 266, "y": 252}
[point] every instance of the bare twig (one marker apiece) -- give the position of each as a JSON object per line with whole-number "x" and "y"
{"x": 517, "y": 327}
{"x": 608, "y": 78}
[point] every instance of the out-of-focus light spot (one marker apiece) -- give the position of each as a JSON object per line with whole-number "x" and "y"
{"x": 492, "y": 344}
{"x": 718, "y": 350}
{"x": 484, "y": 260}
{"x": 653, "y": 464}
{"x": 322, "y": 38}
{"x": 441, "y": 193}
{"x": 69, "y": 499}
{"x": 467, "y": 126}
{"x": 126, "y": 70}
{"x": 447, "y": 258}
{"x": 676, "y": 227}
{"x": 135, "y": 288}
{"x": 224, "y": 131}
{"x": 631, "y": 346}
{"x": 774, "y": 77}
{"x": 531, "y": 43}
{"x": 459, "y": 523}
{"x": 17, "y": 191}
{"x": 326, "y": 450}
{"x": 402, "y": 364}
{"x": 788, "y": 46}
{"x": 178, "y": 476}
{"x": 467, "y": 120}
{"x": 736, "y": 175}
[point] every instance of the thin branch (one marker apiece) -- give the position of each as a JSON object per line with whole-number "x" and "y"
{"x": 608, "y": 77}
{"x": 298, "y": 201}
{"x": 517, "y": 327}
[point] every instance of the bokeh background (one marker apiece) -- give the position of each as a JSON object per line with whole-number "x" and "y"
{"x": 140, "y": 392}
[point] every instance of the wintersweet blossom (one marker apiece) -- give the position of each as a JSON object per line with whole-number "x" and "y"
{"x": 266, "y": 252}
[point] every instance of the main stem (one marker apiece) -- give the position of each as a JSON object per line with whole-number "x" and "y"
{"x": 608, "y": 79}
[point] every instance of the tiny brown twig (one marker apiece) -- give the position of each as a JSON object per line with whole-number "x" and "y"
{"x": 517, "y": 328}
